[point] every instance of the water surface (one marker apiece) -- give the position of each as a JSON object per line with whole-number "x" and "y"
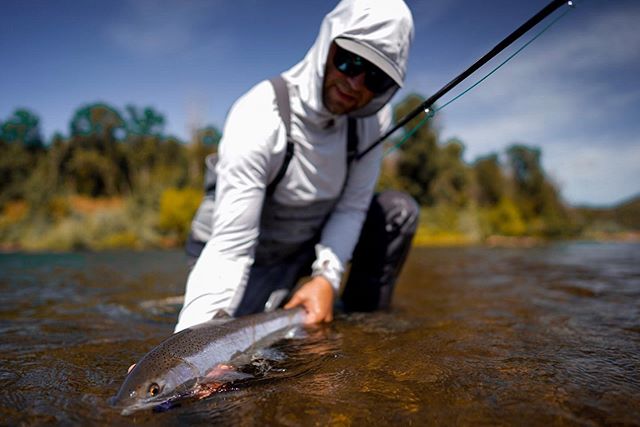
{"x": 527, "y": 336}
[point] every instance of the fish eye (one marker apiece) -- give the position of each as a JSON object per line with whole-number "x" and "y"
{"x": 154, "y": 390}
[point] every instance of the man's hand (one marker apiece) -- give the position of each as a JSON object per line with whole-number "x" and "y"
{"x": 316, "y": 296}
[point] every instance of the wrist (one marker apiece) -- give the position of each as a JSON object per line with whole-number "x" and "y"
{"x": 327, "y": 266}
{"x": 324, "y": 283}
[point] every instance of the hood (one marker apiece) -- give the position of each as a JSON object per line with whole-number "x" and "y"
{"x": 385, "y": 27}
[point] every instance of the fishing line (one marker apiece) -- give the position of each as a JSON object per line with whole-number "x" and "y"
{"x": 430, "y": 112}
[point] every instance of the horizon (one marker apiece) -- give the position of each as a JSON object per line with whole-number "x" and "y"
{"x": 574, "y": 92}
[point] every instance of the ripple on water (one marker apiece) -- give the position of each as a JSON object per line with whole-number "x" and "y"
{"x": 536, "y": 336}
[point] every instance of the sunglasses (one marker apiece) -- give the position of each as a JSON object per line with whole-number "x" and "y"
{"x": 352, "y": 65}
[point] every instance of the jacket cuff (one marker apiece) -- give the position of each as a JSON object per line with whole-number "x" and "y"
{"x": 328, "y": 266}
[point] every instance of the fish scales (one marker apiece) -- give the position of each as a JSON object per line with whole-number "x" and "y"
{"x": 198, "y": 355}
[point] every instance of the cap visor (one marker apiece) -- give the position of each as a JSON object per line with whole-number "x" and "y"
{"x": 371, "y": 55}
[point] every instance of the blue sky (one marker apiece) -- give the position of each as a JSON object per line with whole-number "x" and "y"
{"x": 575, "y": 92}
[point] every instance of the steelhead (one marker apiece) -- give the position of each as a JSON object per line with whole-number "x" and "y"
{"x": 197, "y": 359}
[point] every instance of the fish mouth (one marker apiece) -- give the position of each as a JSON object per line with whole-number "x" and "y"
{"x": 129, "y": 403}
{"x": 164, "y": 403}
{"x": 160, "y": 403}
{"x": 157, "y": 404}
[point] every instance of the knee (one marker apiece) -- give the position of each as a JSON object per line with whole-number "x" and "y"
{"x": 400, "y": 210}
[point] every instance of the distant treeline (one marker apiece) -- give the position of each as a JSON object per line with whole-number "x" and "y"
{"x": 118, "y": 180}
{"x": 103, "y": 184}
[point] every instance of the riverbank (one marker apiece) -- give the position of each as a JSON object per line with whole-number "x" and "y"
{"x": 421, "y": 240}
{"x": 73, "y": 223}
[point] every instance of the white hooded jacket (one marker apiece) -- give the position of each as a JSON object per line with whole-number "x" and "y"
{"x": 252, "y": 151}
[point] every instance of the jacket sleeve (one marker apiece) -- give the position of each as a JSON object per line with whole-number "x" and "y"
{"x": 252, "y": 134}
{"x": 342, "y": 230}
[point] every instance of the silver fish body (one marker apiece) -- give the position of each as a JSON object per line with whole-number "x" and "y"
{"x": 199, "y": 356}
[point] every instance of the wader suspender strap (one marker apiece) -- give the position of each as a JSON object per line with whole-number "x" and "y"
{"x": 284, "y": 110}
{"x": 352, "y": 148}
{"x": 352, "y": 140}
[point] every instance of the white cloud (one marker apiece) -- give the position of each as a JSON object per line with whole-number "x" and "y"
{"x": 595, "y": 174}
{"x": 566, "y": 93}
{"x": 610, "y": 39}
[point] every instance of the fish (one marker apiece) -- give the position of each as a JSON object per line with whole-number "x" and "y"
{"x": 200, "y": 360}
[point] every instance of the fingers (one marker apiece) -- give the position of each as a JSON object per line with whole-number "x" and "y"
{"x": 295, "y": 301}
{"x": 316, "y": 296}
{"x": 317, "y": 314}
{"x": 298, "y": 300}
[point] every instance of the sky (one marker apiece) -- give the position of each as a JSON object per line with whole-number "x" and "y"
{"x": 574, "y": 92}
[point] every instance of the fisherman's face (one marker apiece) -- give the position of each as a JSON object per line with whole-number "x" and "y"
{"x": 342, "y": 94}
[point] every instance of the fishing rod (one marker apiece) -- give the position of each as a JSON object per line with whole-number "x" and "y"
{"x": 426, "y": 105}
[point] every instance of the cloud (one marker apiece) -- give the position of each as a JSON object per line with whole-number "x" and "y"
{"x": 150, "y": 27}
{"x": 594, "y": 174}
{"x": 573, "y": 93}
{"x": 606, "y": 40}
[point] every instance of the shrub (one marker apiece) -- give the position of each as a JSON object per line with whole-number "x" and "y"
{"x": 177, "y": 208}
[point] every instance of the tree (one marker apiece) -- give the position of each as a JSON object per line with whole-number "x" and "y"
{"x": 172, "y": 163}
{"x": 177, "y": 208}
{"x": 528, "y": 177}
{"x": 145, "y": 129}
{"x": 95, "y": 129}
{"x": 57, "y": 152}
{"x": 418, "y": 164}
{"x": 537, "y": 196}
{"x": 452, "y": 181}
{"x": 22, "y": 127}
{"x": 505, "y": 218}
{"x": 490, "y": 180}
{"x": 144, "y": 122}
{"x": 20, "y": 149}
{"x": 99, "y": 121}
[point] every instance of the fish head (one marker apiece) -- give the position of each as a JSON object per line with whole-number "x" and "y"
{"x": 147, "y": 386}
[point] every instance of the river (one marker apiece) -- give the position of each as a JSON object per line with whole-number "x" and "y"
{"x": 548, "y": 335}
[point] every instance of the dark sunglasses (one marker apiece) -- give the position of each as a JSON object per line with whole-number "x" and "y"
{"x": 352, "y": 65}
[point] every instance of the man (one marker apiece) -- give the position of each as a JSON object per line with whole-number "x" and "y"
{"x": 273, "y": 219}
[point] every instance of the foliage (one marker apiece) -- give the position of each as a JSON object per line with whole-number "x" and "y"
{"x": 205, "y": 142}
{"x": 528, "y": 179}
{"x": 418, "y": 164}
{"x": 451, "y": 185}
{"x": 45, "y": 189}
{"x": 20, "y": 148}
{"x": 537, "y": 197}
{"x": 388, "y": 178}
{"x": 628, "y": 213}
{"x": 515, "y": 199}
{"x": 620, "y": 218}
{"x": 15, "y": 168}
{"x": 100, "y": 121}
{"x": 490, "y": 180}
{"x": 177, "y": 208}
{"x": 117, "y": 180}
{"x": 447, "y": 225}
{"x": 144, "y": 121}
{"x": 505, "y": 219}
{"x": 22, "y": 128}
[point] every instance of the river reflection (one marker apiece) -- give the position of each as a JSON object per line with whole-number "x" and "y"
{"x": 547, "y": 335}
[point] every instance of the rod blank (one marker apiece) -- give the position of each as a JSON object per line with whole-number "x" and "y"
{"x": 515, "y": 35}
